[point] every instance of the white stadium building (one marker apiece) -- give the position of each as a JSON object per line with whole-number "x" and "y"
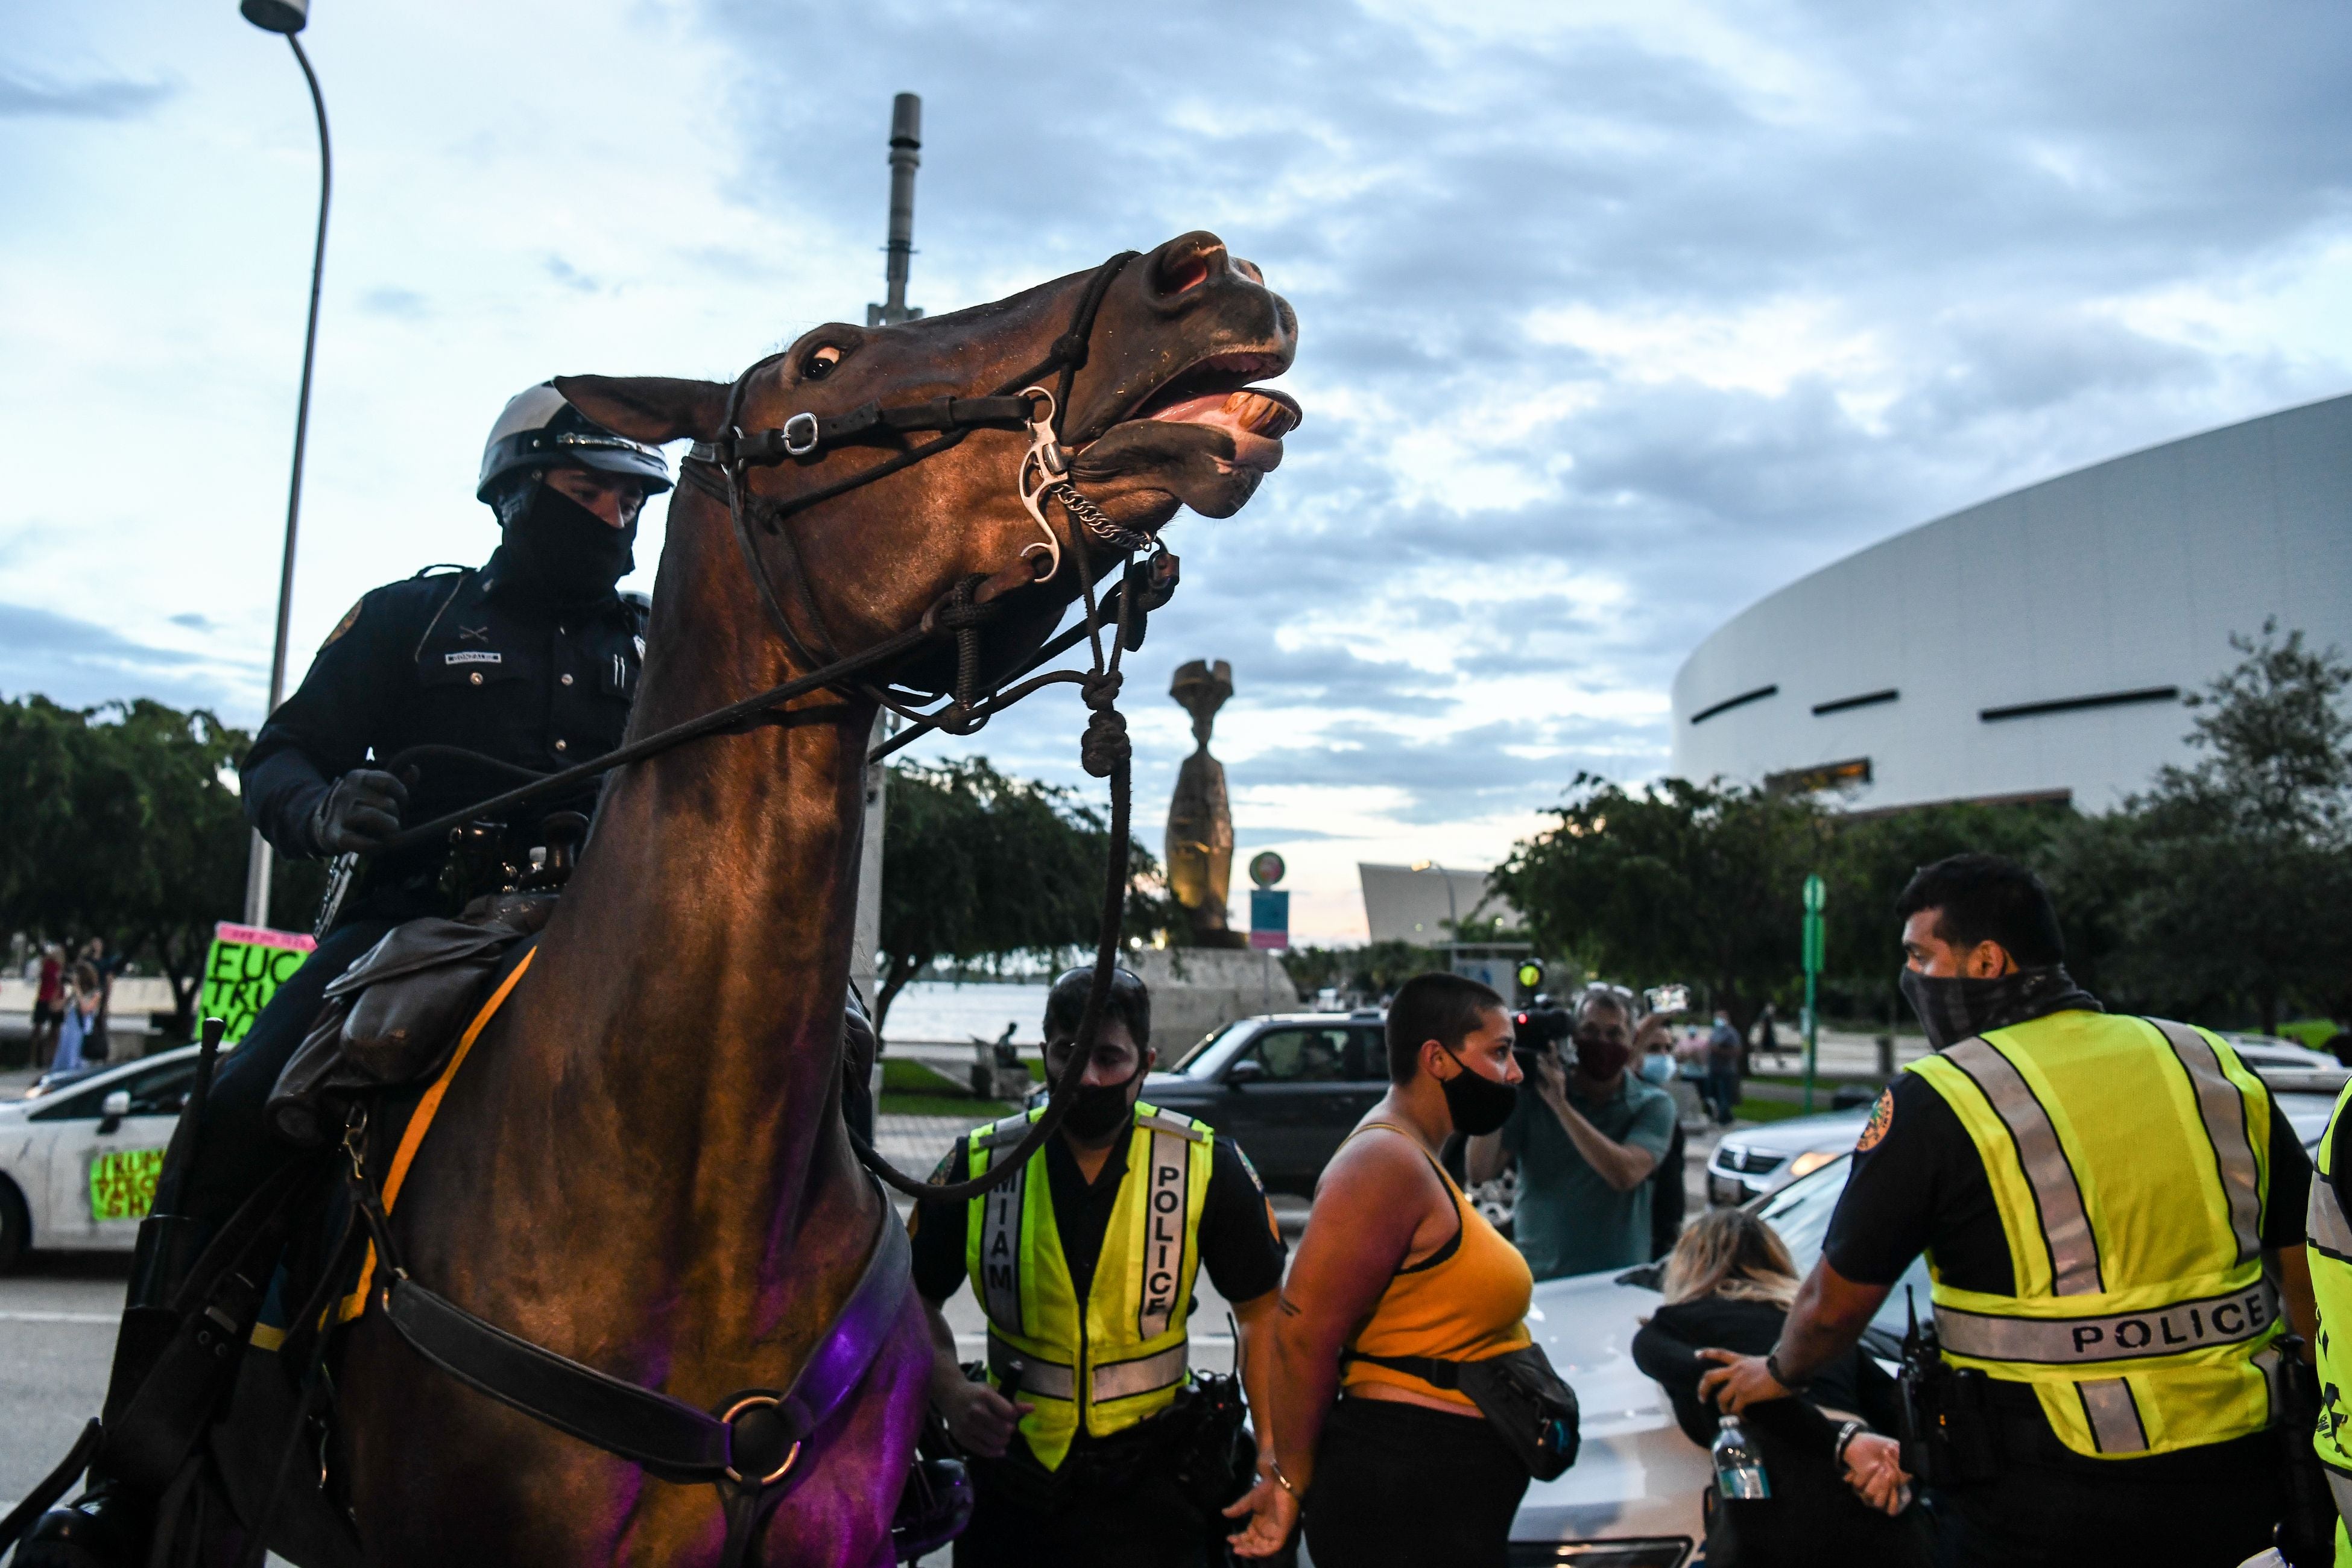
{"x": 2036, "y": 646}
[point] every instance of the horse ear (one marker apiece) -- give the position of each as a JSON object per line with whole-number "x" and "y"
{"x": 649, "y": 408}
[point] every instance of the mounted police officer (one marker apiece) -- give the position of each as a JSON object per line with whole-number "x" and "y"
{"x": 1084, "y": 1451}
{"x": 531, "y": 661}
{"x": 2111, "y": 1208}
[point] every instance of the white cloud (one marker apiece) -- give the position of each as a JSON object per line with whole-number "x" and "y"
{"x": 1614, "y": 318}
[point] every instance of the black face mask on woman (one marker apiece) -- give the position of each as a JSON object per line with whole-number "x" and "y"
{"x": 1478, "y": 1104}
{"x": 571, "y": 553}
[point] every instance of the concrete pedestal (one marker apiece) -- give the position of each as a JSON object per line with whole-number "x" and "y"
{"x": 1198, "y": 990}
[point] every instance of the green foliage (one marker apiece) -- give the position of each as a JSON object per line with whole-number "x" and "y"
{"x": 976, "y": 866}
{"x": 2244, "y": 861}
{"x": 1371, "y": 970}
{"x": 1675, "y": 881}
{"x": 117, "y": 821}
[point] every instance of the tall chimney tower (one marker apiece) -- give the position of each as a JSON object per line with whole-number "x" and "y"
{"x": 906, "y": 156}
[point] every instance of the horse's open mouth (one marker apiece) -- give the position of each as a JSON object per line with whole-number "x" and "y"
{"x": 1204, "y": 439}
{"x": 1217, "y": 392}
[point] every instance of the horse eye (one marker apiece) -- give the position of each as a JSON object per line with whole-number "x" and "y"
{"x": 820, "y": 362}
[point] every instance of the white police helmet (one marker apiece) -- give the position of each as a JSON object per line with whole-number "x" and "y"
{"x": 539, "y": 429}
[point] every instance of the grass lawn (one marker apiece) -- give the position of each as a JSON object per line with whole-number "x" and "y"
{"x": 962, "y": 1105}
{"x": 917, "y": 1089}
{"x": 1778, "y": 1109}
{"x": 1822, "y": 1082}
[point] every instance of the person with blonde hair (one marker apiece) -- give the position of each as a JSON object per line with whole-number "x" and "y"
{"x": 1839, "y": 1492}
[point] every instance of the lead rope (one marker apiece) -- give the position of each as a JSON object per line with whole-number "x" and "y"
{"x": 1105, "y": 752}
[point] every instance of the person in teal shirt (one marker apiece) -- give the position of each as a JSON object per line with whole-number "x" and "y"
{"x": 1587, "y": 1139}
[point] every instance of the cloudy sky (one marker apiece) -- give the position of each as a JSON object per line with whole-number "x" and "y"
{"x": 1615, "y": 317}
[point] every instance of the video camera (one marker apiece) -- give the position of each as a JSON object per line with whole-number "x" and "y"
{"x": 1539, "y": 1030}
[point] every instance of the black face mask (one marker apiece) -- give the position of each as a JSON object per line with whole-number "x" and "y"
{"x": 1478, "y": 1104}
{"x": 1952, "y": 1008}
{"x": 566, "y": 550}
{"x": 1098, "y": 1108}
{"x": 1600, "y": 1058}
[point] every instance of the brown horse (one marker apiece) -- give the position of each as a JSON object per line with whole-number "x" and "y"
{"x": 642, "y": 1165}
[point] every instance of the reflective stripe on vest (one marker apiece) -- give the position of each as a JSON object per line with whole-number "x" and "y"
{"x": 2223, "y": 1112}
{"x": 1122, "y": 1353}
{"x": 2328, "y": 1249}
{"x": 2324, "y": 1224}
{"x": 2129, "y": 1160}
{"x": 2065, "y": 1228}
{"x": 2119, "y": 1336}
{"x": 1028, "y": 1372}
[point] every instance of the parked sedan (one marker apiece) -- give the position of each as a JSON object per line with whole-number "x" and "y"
{"x": 79, "y": 1158}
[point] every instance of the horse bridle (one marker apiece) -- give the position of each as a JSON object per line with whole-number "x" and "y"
{"x": 721, "y": 469}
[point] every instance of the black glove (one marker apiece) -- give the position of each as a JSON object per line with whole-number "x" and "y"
{"x": 359, "y": 811}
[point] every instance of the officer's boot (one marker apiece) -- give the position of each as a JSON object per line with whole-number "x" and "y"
{"x": 109, "y": 1526}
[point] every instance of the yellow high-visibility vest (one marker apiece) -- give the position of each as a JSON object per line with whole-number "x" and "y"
{"x": 2130, "y": 1161}
{"x": 2327, "y": 1242}
{"x": 1120, "y": 1357}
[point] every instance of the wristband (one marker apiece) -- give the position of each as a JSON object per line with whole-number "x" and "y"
{"x": 1274, "y": 1468}
{"x": 1846, "y": 1435}
{"x": 1772, "y": 1365}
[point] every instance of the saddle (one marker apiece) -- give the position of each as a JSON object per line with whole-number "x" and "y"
{"x": 393, "y": 1018}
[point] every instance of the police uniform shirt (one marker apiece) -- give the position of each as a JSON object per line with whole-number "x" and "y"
{"x": 1917, "y": 1182}
{"x": 481, "y": 660}
{"x": 1240, "y": 1247}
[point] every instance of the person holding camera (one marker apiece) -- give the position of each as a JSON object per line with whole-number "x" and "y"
{"x": 1090, "y": 1440}
{"x": 1588, "y": 1136}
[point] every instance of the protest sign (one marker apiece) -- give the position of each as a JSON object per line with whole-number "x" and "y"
{"x": 243, "y": 970}
{"x": 123, "y": 1182}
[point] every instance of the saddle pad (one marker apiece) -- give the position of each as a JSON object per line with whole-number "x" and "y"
{"x": 420, "y": 1121}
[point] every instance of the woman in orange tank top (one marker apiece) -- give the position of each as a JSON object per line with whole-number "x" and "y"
{"x": 1384, "y": 1467}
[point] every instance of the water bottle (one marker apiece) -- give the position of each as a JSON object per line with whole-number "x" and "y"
{"x": 1738, "y": 1468}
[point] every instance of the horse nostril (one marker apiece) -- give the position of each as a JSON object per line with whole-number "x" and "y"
{"x": 1187, "y": 263}
{"x": 1191, "y": 275}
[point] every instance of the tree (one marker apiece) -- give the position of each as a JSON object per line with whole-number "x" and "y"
{"x": 2247, "y": 854}
{"x": 1374, "y": 970}
{"x": 977, "y": 864}
{"x": 1675, "y": 881}
{"x": 117, "y": 820}
{"x": 1871, "y": 859}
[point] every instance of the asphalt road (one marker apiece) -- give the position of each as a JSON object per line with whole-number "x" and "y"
{"x": 58, "y": 1314}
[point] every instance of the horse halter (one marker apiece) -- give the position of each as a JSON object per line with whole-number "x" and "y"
{"x": 1022, "y": 402}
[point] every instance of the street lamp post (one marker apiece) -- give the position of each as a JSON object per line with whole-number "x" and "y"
{"x": 288, "y": 17}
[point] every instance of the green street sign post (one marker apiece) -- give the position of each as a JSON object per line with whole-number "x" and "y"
{"x": 1815, "y": 893}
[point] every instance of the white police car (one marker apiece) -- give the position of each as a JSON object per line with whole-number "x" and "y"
{"x": 78, "y": 1155}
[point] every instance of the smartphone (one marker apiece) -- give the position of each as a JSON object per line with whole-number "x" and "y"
{"x": 1667, "y": 998}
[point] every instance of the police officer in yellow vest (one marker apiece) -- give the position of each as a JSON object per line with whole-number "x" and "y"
{"x": 1084, "y": 1266}
{"x": 2329, "y": 1250}
{"x": 2109, "y": 1207}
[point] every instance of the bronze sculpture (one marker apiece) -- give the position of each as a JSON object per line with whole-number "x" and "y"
{"x": 1200, "y": 818}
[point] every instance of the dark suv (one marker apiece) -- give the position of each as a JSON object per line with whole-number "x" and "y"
{"x": 1288, "y": 1088}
